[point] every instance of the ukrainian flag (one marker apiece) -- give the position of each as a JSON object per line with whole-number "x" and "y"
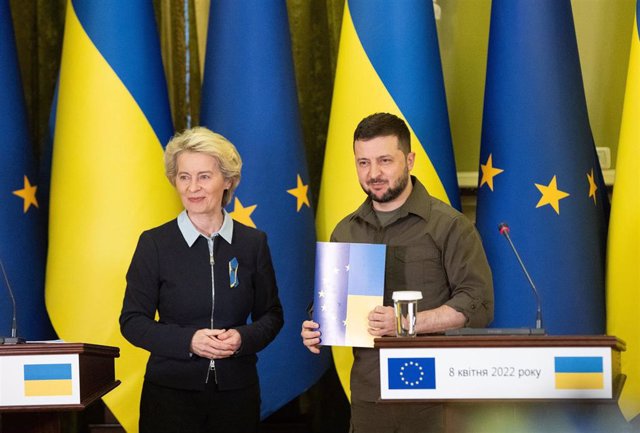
{"x": 47, "y": 380}
{"x": 623, "y": 251}
{"x": 388, "y": 61}
{"x": 108, "y": 182}
{"x": 579, "y": 372}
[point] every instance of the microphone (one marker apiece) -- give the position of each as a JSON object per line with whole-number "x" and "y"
{"x": 504, "y": 231}
{"x": 14, "y": 339}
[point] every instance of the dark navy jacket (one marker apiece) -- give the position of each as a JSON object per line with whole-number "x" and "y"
{"x": 168, "y": 276}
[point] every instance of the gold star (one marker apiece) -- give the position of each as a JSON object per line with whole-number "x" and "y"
{"x": 300, "y": 192}
{"x": 243, "y": 214}
{"x": 592, "y": 186}
{"x": 28, "y": 193}
{"x": 489, "y": 172}
{"x": 551, "y": 195}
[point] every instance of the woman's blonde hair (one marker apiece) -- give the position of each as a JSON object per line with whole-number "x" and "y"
{"x": 203, "y": 140}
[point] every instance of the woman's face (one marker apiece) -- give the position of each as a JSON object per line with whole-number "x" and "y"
{"x": 200, "y": 183}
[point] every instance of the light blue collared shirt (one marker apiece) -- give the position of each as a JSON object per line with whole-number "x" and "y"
{"x": 190, "y": 233}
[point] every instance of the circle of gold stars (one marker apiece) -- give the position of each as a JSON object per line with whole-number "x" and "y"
{"x": 414, "y": 367}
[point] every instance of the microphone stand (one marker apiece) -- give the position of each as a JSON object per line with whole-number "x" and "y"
{"x": 14, "y": 339}
{"x": 504, "y": 230}
{"x": 538, "y": 330}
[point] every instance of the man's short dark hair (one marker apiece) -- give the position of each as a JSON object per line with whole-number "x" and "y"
{"x": 384, "y": 125}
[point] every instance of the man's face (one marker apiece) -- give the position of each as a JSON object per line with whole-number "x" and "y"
{"x": 383, "y": 170}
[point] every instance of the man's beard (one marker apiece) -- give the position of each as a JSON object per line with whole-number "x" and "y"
{"x": 392, "y": 193}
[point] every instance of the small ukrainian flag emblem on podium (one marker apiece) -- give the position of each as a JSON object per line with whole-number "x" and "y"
{"x": 47, "y": 380}
{"x": 579, "y": 372}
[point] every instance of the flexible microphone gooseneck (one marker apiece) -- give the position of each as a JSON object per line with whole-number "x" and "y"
{"x": 14, "y": 324}
{"x": 504, "y": 231}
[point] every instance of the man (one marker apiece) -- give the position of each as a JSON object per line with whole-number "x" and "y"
{"x": 431, "y": 247}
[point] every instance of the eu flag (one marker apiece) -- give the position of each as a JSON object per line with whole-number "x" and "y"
{"x": 412, "y": 373}
{"x": 249, "y": 96}
{"x": 22, "y": 236}
{"x": 539, "y": 172}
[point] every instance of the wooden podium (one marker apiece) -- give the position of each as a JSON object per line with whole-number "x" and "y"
{"x": 500, "y": 383}
{"x": 39, "y": 382}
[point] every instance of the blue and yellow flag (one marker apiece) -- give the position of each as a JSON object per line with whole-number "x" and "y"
{"x": 539, "y": 172}
{"x": 249, "y": 96}
{"x": 578, "y": 372}
{"x": 388, "y": 61}
{"x": 47, "y": 380}
{"x": 22, "y": 236}
{"x": 623, "y": 253}
{"x": 108, "y": 182}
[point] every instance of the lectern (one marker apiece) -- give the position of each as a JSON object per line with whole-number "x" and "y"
{"x": 41, "y": 381}
{"x": 497, "y": 383}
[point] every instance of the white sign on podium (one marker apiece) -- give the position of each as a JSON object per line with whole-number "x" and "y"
{"x": 496, "y": 373}
{"x": 39, "y": 380}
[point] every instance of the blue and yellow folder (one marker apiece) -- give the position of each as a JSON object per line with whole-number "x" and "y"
{"x": 349, "y": 283}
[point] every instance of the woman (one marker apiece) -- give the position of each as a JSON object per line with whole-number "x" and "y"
{"x": 204, "y": 275}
